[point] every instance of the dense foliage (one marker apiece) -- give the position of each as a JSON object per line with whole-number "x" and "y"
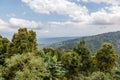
{"x": 21, "y": 60}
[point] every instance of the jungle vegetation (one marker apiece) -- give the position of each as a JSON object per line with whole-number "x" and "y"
{"x": 20, "y": 59}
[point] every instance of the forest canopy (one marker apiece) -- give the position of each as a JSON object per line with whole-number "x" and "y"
{"x": 20, "y": 59}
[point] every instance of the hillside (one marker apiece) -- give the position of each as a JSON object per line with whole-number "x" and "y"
{"x": 44, "y": 42}
{"x": 93, "y": 42}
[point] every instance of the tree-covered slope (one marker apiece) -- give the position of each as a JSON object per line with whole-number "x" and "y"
{"x": 93, "y": 42}
{"x": 20, "y": 59}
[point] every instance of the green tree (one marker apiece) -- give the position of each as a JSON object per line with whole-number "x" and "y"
{"x": 106, "y": 58}
{"x": 50, "y": 50}
{"x": 116, "y": 74}
{"x": 72, "y": 63}
{"x": 86, "y": 59}
{"x": 55, "y": 66}
{"x": 26, "y": 67}
{"x": 3, "y": 49}
{"x": 100, "y": 76}
{"x": 23, "y": 41}
{"x": 1, "y": 74}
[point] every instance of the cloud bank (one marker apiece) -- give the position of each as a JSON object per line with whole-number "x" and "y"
{"x": 113, "y": 2}
{"x": 107, "y": 15}
{"x": 81, "y": 20}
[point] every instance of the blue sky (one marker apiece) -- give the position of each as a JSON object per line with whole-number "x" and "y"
{"x": 60, "y": 18}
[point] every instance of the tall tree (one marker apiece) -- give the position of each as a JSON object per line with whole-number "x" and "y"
{"x": 23, "y": 41}
{"x": 3, "y": 49}
{"x": 55, "y": 66}
{"x": 86, "y": 60}
{"x": 71, "y": 62}
{"x": 106, "y": 58}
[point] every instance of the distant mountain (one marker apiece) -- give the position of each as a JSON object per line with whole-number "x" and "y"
{"x": 45, "y": 42}
{"x": 93, "y": 42}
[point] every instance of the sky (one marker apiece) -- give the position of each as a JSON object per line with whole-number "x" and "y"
{"x": 59, "y": 18}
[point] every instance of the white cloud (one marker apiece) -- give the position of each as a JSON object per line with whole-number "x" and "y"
{"x": 106, "y": 16}
{"x": 60, "y": 29}
{"x": 63, "y": 7}
{"x": 4, "y": 26}
{"x": 15, "y": 23}
{"x": 113, "y": 2}
{"x": 113, "y": 9}
{"x": 24, "y": 23}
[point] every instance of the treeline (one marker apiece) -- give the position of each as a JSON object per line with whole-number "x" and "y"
{"x": 20, "y": 59}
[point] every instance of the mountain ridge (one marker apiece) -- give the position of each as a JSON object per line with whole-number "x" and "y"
{"x": 93, "y": 42}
